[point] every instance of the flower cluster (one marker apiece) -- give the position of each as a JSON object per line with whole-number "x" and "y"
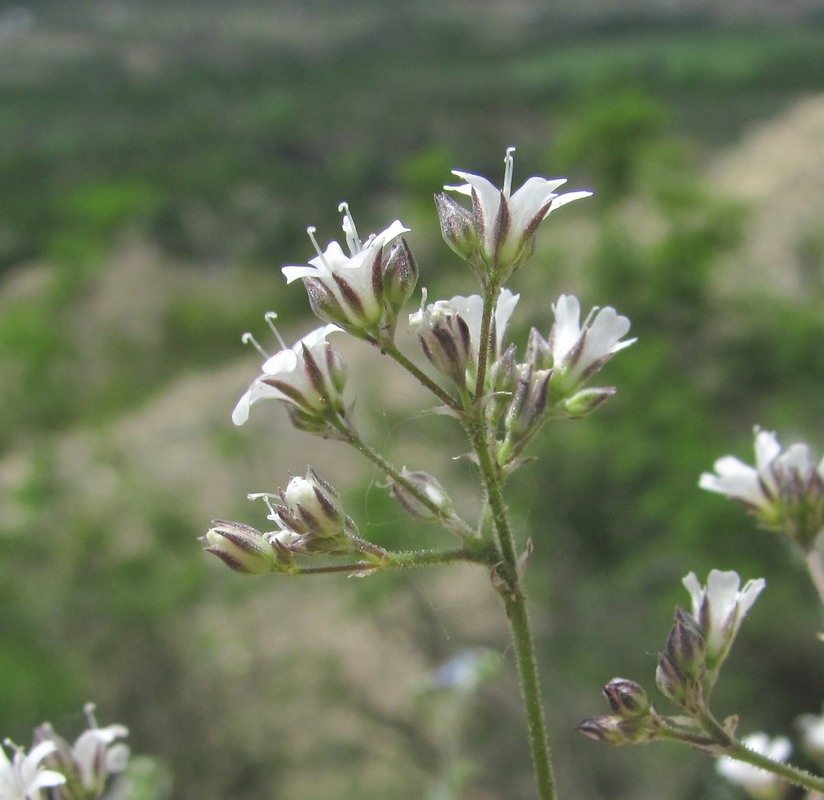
{"x": 80, "y": 771}
{"x": 700, "y": 641}
{"x": 784, "y": 490}
{"x": 498, "y": 235}
{"x": 688, "y": 667}
{"x": 363, "y": 291}
{"x": 310, "y": 520}
{"x": 362, "y": 294}
{"x": 633, "y": 719}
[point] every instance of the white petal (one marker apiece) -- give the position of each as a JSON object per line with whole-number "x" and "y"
{"x": 567, "y": 329}
{"x": 295, "y": 272}
{"x": 602, "y": 336}
{"x": 563, "y": 199}
{"x": 735, "y": 479}
{"x": 696, "y": 590}
{"x": 767, "y": 449}
{"x": 503, "y": 311}
{"x": 749, "y": 594}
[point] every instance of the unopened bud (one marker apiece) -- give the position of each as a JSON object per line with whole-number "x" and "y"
{"x": 457, "y": 226}
{"x": 400, "y": 276}
{"x": 324, "y": 303}
{"x": 626, "y": 698}
{"x": 240, "y": 547}
{"x": 313, "y": 506}
{"x": 618, "y": 731}
{"x": 670, "y": 680}
{"x": 686, "y": 646}
{"x": 586, "y": 401}
{"x": 445, "y": 339}
{"x": 430, "y": 487}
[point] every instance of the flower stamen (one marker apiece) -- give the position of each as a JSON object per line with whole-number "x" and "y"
{"x": 270, "y": 317}
{"x": 509, "y": 162}
{"x": 248, "y": 338}
{"x": 311, "y": 230}
{"x": 352, "y": 238}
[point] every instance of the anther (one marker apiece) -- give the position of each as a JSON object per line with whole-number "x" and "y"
{"x": 270, "y": 317}
{"x": 247, "y": 338}
{"x": 352, "y": 238}
{"x": 88, "y": 710}
{"x": 508, "y": 164}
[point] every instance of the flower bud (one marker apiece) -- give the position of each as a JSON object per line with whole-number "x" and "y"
{"x": 626, "y": 698}
{"x": 670, "y": 680}
{"x": 429, "y": 486}
{"x": 586, "y": 401}
{"x": 312, "y": 505}
{"x": 240, "y": 547}
{"x": 445, "y": 339}
{"x": 457, "y": 226}
{"x": 526, "y": 411}
{"x": 686, "y": 646}
{"x": 618, "y": 731}
{"x": 324, "y": 303}
{"x": 400, "y": 276}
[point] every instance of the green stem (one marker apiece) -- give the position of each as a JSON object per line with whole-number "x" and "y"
{"x": 507, "y": 570}
{"x": 734, "y": 749}
{"x": 516, "y": 611}
{"x": 393, "y": 352}
{"x": 451, "y": 521}
{"x": 788, "y": 772}
{"x": 490, "y": 298}
{"x": 407, "y": 560}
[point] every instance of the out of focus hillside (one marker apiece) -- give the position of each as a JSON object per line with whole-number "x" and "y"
{"x": 163, "y": 161}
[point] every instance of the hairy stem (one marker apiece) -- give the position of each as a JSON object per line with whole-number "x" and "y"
{"x": 734, "y": 749}
{"x": 451, "y": 521}
{"x": 506, "y": 571}
{"x": 394, "y": 353}
{"x": 407, "y": 560}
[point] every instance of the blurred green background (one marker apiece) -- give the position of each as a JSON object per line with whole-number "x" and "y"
{"x": 161, "y": 161}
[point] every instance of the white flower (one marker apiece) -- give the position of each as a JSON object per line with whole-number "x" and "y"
{"x": 812, "y": 731}
{"x": 578, "y": 350}
{"x": 97, "y": 755}
{"x": 450, "y": 332}
{"x": 785, "y": 490}
{"x": 758, "y": 782}
{"x": 361, "y": 291}
{"x": 719, "y": 608}
{"x": 309, "y": 375}
{"x": 504, "y": 222}
{"x": 23, "y": 777}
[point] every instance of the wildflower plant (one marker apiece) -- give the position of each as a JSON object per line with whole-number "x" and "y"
{"x": 500, "y": 393}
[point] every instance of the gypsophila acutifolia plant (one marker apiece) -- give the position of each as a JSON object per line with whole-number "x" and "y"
{"x": 784, "y": 492}
{"x": 500, "y": 394}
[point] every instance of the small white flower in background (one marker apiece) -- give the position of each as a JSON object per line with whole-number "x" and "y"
{"x": 812, "y": 733}
{"x": 499, "y": 234}
{"x": 363, "y": 291}
{"x": 309, "y": 376}
{"x": 719, "y": 608}
{"x": 91, "y": 761}
{"x": 757, "y": 782}
{"x": 784, "y": 490}
{"x": 22, "y": 777}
